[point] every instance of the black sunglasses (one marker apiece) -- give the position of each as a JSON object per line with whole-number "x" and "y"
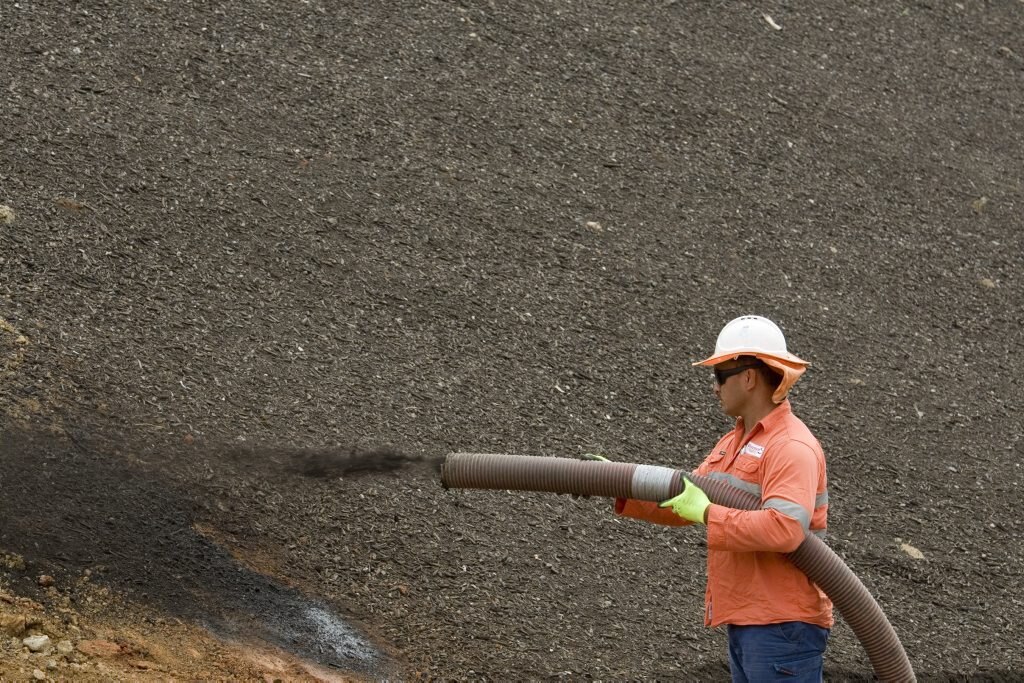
{"x": 722, "y": 375}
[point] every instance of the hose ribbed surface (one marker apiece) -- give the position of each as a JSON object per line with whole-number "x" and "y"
{"x": 622, "y": 480}
{"x": 526, "y": 473}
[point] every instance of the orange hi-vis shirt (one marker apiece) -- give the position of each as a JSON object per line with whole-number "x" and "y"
{"x": 750, "y": 582}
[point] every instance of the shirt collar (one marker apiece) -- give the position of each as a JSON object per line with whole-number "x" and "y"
{"x": 769, "y": 421}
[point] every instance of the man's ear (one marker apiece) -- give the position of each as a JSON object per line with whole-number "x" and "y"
{"x": 753, "y": 380}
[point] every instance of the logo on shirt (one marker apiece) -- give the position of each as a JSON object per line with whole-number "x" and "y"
{"x": 753, "y": 449}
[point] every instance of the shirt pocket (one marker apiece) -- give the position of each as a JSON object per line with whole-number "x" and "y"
{"x": 712, "y": 463}
{"x": 749, "y": 466}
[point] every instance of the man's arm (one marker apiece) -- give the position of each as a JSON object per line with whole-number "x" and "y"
{"x": 648, "y": 511}
{"x": 789, "y": 483}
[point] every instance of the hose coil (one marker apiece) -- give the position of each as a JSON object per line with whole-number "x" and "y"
{"x": 644, "y": 482}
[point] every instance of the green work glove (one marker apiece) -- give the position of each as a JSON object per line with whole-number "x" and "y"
{"x": 691, "y": 504}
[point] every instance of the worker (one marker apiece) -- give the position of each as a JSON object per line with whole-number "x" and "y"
{"x": 777, "y": 620}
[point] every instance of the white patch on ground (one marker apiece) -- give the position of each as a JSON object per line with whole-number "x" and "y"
{"x": 336, "y": 635}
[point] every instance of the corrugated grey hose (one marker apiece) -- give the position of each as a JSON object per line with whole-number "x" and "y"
{"x": 647, "y": 482}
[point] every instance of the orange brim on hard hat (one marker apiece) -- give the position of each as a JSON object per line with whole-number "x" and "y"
{"x": 784, "y": 357}
{"x": 789, "y": 366}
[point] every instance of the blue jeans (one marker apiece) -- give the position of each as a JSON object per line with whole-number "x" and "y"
{"x": 792, "y": 651}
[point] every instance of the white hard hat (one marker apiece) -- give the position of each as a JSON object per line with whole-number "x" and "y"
{"x": 751, "y": 335}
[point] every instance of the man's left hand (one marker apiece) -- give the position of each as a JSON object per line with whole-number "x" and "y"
{"x": 692, "y": 504}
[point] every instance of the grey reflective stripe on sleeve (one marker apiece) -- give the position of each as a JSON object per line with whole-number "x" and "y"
{"x": 821, "y": 500}
{"x": 790, "y": 509}
{"x": 736, "y": 482}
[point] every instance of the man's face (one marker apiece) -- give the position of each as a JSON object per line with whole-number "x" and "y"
{"x": 728, "y": 384}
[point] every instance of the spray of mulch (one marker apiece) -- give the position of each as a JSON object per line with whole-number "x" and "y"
{"x": 337, "y": 461}
{"x": 70, "y": 506}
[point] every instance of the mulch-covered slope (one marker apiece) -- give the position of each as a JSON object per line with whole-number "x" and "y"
{"x": 246, "y": 239}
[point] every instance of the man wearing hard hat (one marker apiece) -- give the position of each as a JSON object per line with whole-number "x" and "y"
{"x": 778, "y": 621}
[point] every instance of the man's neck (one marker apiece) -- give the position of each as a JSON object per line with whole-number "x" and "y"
{"x": 754, "y": 414}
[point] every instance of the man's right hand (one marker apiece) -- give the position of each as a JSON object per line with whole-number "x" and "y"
{"x": 692, "y": 504}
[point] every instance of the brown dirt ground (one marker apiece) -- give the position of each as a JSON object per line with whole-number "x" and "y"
{"x": 265, "y": 263}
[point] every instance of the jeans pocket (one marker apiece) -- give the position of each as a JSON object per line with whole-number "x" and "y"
{"x": 807, "y": 669}
{"x": 797, "y": 632}
{"x": 792, "y": 631}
